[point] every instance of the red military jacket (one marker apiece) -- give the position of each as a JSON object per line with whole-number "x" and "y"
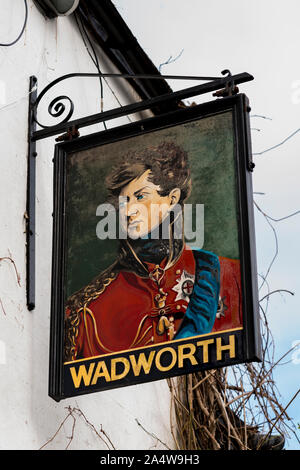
{"x": 133, "y": 311}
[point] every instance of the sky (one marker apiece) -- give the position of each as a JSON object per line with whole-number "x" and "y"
{"x": 261, "y": 38}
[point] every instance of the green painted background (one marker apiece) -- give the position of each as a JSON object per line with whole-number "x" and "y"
{"x": 210, "y": 146}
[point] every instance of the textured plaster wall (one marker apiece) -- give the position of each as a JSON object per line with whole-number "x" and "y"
{"x": 28, "y": 417}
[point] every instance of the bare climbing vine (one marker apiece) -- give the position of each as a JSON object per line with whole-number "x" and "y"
{"x": 10, "y": 259}
{"x": 75, "y": 413}
{"x": 238, "y": 407}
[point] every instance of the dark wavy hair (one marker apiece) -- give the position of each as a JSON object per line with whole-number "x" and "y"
{"x": 167, "y": 162}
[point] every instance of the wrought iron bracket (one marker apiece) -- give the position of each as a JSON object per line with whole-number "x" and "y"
{"x": 58, "y": 108}
{"x": 222, "y": 86}
{"x": 31, "y": 193}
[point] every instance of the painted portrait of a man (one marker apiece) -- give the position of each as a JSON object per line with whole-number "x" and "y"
{"x": 158, "y": 289}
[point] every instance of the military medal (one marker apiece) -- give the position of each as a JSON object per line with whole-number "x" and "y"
{"x": 184, "y": 286}
{"x": 157, "y": 274}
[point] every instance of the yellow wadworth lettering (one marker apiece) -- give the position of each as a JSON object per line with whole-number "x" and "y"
{"x": 101, "y": 371}
{"x": 173, "y": 360}
{"x": 142, "y": 362}
{"x": 229, "y": 347}
{"x": 82, "y": 374}
{"x": 190, "y": 354}
{"x": 114, "y": 362}
{"x": 204, "y": 345}
{"x": 163, "y": 360}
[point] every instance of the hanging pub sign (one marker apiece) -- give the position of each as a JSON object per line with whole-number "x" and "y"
{"x": 154, "y": 264}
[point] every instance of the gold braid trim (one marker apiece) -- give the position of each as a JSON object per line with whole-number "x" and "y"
{"x": 141, "y": 338}
{"x": 76, "y": 303}
{"x": 85, "y": 311}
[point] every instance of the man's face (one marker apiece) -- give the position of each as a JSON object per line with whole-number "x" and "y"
{"x": 142, "y": 208}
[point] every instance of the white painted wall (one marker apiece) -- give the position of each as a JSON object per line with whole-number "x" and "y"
{"x": 28, "y": 417}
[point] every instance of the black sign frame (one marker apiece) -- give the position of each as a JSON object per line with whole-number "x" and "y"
{"x": 180, "y": 356}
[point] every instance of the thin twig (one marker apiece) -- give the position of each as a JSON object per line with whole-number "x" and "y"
{"x": 58, "y": 429}
{"x": 94, "y": 429}
{"x": 276, "y": 243}
{"x": 72, "y": 434}
{"x": 152, "y": 435}
{"x": 278, "y": 145}
{"x": 260, "y": 116}
{"x": 1, "y": 303}
{"x": 289, "y": 403}
{"x": 170, "y": 60}
{"x": 277, "y": 290}
{"x": 15, "y": 267}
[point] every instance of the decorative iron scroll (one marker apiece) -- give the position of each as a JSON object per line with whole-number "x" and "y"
{"x": 57, "y": 108}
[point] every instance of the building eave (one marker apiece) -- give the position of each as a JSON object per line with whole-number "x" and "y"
{"x": 108, "y": 29}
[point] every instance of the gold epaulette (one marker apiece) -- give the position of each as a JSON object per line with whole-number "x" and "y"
{"x": 75, "y": 304}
